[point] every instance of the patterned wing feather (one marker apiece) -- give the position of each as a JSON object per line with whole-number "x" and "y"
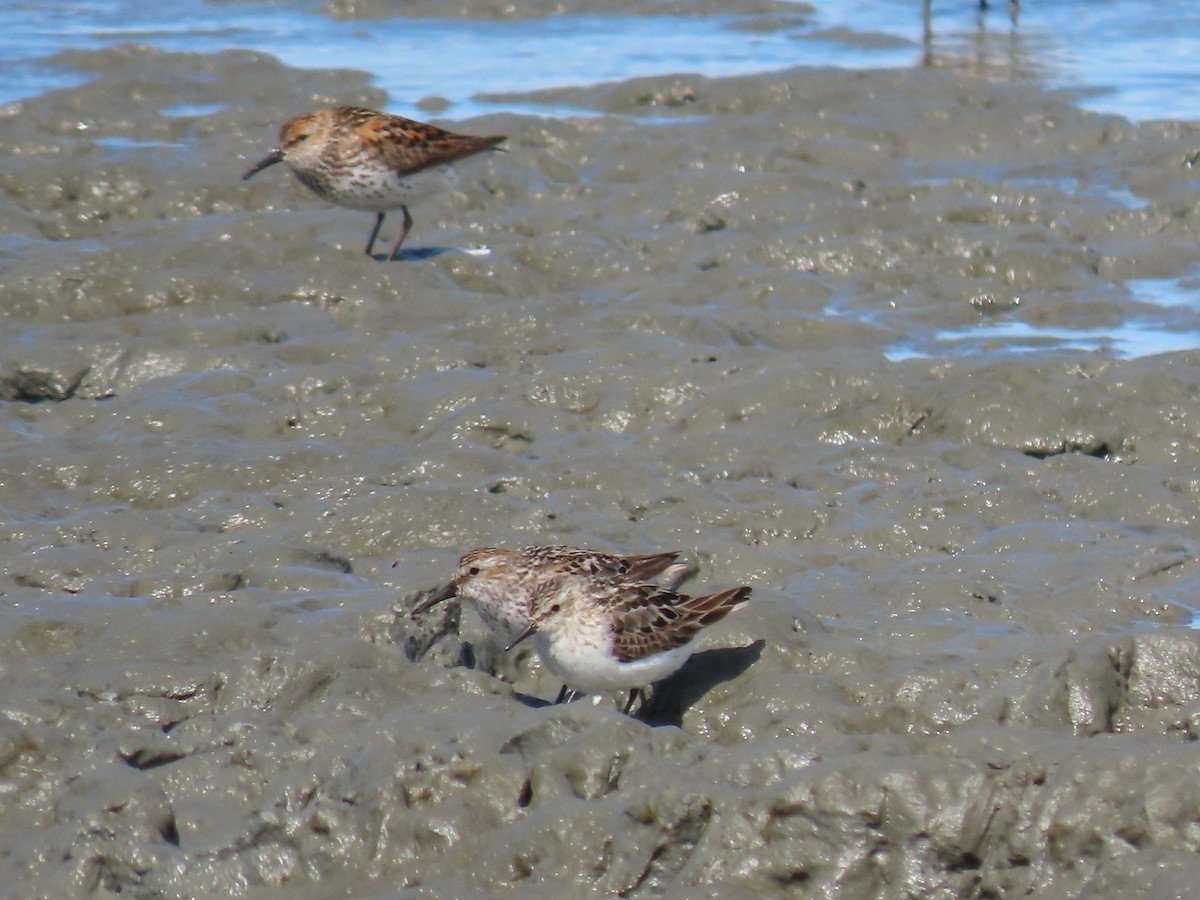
{"x": 592, "y": 564}
{"x": 653, "y": 620}
{"x": 409, "y": 145}
{"x": 626, "y": 568}
{"x": 643, "y": 568}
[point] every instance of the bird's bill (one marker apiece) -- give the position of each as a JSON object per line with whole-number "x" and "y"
{"x": 433, "y": 600}
{"x": 529, "y": 630}
{"x": 269, "y": 160}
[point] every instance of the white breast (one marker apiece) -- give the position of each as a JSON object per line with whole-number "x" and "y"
{"x": 584, "y": 660}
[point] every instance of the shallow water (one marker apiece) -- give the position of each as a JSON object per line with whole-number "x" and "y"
{"x": 1127, "y": 57}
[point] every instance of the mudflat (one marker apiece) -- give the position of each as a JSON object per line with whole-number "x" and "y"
{"x": 715, "y": 316}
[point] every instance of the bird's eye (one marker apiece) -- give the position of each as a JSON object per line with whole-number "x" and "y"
{"x": 556, "y": 607}
{"x": 474, "y": 570}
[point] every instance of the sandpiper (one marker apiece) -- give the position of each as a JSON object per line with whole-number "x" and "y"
{"x": 501, "y": 582}
{"x": 363, "y": 159}
{"x": 606, "y": 635}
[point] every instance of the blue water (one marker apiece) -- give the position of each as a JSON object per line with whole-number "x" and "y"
{"x": 1136, "y": 337}
{"x": 1137, "y": 59}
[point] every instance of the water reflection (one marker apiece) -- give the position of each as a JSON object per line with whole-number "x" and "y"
{"x": 1004, "y": 56}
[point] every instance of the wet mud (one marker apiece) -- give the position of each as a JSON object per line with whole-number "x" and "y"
{"x": 703, "y": 315}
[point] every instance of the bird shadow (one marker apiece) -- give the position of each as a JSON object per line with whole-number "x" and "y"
{"x": 531, "y": 701}
{"x": 417, "y": 254}
{"x": 676, "y": 694}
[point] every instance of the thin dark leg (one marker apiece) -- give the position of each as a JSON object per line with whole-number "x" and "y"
{"x": 375, "y": 232}
{"x": 634, "y": 693}
{"x": 403, "y": 232}
{"x": 562, "y": 695}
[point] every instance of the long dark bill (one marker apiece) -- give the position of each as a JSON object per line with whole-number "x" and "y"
{"x": 520, "y": 637}
{"x": 269, "y": 160}
{"x": 433, "y": 600}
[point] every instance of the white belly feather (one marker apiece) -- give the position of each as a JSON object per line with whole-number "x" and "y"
{"x": 584, "y": 661}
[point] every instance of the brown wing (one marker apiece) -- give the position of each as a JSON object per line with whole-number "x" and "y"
{"x": 652, "y": 620}
{"x": 643, "y": 568}
{"x": 592, "y": 564}
{"x": 410, "y": 145}
{"x": 625, "y": 568}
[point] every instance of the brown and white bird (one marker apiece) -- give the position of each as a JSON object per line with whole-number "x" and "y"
{"x": 605, "y": 635}
{"x": 363, "y": 159}
{"x": 501, "y": 582}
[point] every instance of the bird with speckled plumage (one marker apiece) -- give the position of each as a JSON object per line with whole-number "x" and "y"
{"x": 363, "y": 159}
{"x": 603, "y": 635}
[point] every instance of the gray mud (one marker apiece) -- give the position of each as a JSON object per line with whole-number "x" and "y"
{"x": 236, "y": 452}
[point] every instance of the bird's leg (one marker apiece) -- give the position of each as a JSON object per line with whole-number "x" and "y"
{"x": 634, "y": 693}
{"x": 375, "y": 232}
{"x": 403, "y": 231}
{"x": 562, "y": 695}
